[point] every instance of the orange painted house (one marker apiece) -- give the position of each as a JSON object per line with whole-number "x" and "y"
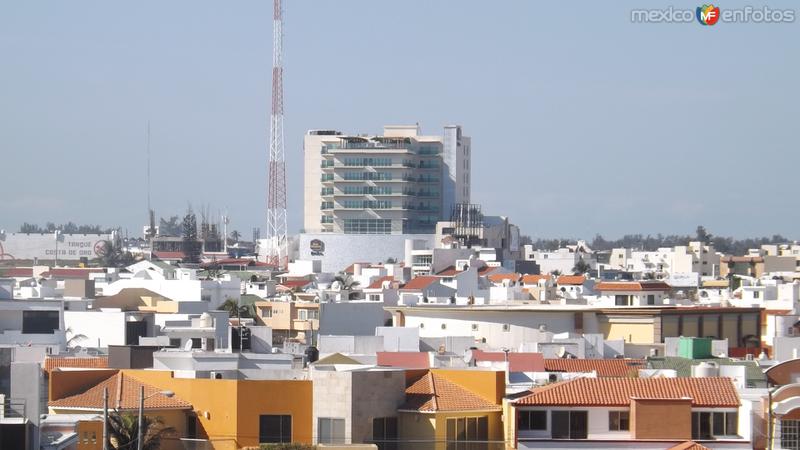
{"x": 229, "y": 414}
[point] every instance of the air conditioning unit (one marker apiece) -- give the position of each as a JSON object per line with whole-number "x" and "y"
{"x": 216, "y": 375}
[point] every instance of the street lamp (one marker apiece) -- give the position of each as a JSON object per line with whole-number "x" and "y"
{"x": 142, "y": 398}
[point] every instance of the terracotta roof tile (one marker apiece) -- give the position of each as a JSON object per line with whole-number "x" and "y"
{"x": 535, "y": 279}
{"x": 499, "y": 277}
{"x": 689, "y": 445}
{"x": 448, "y": 272}
{"x": 419, "y": 283}
{"x": 433, "y": 393}
{"x": 123, "y": 393}
{"x": 17, "y": 272}
{"x": 59, "y": 362}
{"x": 406, "y": 360}
{"x": 378, "y": 283}
{"x": 632, "y": 286}
{"x": 517, "y": 361}
{"x": 704, "y": 392}
{"x": 486, "y": 270}
{"x": 169, "y": 255}
{"x": 573, "y": 280}
{"x": 603, "y": 367}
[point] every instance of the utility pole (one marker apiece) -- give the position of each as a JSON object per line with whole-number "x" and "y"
{"x": 277, "y": 241}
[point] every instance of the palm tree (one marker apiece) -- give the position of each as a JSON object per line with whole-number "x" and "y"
{"x": 347, "y": 283}
{"x": 235, "y": 235}
{"x": 236, "y": 310}
{"x": 74, "y": 338}
{"x": 123, "y": 429}
{"x": 581, "y": 267}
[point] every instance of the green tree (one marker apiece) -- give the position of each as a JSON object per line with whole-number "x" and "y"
{"x": 191, "y": 247}
{"x": 236, "y": 310}
{"x": 114, "y": 256}
{"x": 170, "y": 227}
{"x": 581, "y": 267}
{"x": 235, "y": 236}
{"x": 123, "y": 429}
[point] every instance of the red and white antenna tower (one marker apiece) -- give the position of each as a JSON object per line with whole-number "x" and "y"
{"x": 277, "y": 241}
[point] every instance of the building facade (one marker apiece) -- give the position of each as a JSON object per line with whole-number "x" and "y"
{"x": 401, "y": 182}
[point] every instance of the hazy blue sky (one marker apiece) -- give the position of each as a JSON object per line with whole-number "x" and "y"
{"x": 581, "y": 121}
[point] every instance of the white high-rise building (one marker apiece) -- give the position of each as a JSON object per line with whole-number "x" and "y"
{"x": 401, "y": 182}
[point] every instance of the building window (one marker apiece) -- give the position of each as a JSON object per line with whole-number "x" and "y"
{"x": 569, "y": 424}
{"x": 330, "y": 430}
{"x": 465, "y": 433}
{"x": 474, "y": 327}
{"x": 197, "y": 342}
{"x": 384, "y": 432}
{"x": 706, "y": 425}
{"x": 790, "y": 434}
{"x": 533, "y": 420}
{"x": 506, "y": 327}
{"x": 618, "y": 421}
{"x": 375, "y": 297}
{"x": 651, "y": 299}
{"x": 274, "y": 429}
{"x": 756, "y": 294}
{"x": 367, "y": 226}
{"x": 444, "y": 326}
{"x": 621, "y": 300}
{"x": 422, "y": 324}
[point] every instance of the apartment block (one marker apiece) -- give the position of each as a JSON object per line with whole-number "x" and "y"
{"x": 400, "y": 182}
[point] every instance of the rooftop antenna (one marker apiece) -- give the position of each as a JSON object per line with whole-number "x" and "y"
{"x": 277, "y": 242}
{"x": 151, "y": 217}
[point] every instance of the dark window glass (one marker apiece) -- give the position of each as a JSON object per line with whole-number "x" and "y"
{"x": 275, "y": 429}
{"x": 569, "y": 424}
{"x": 560, "y": 424}
{"x": 533, "y": 420}
{"x": 40, "y": 322}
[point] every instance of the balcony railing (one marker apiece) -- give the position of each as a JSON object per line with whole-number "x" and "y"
{"x": 12, "y": 408}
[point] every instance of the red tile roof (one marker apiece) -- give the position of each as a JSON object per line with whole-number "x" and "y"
{"x": 84, "y": 362}
{"x": 632, "y": 286}
{"x": 433, "y": 393}
{"x": 517, "y": 361}
{"x": 704, "y": 392}
{"x": 448, "y": 272}
{"x": 406, "y": 360}
{"x": 68, "y": 272}
{"x": 169, "y": 255}
{"x": 574, "y": 280}
{"x": 123, "y": 393}
{"x": 603, "y": 367}
{"x": 535, "y": 279}
{"x": 351, "y": 268}
{"x": 486, "y": 270}
{"x": 17, "y": 272}
{"x": 378, "y": 283}
{"x": 499, "y": 277}
{"x": 689, "y": 445}
{"x": 420, "y": 283}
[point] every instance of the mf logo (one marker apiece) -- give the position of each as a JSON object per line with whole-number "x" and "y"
{"x": 707, "y": 14}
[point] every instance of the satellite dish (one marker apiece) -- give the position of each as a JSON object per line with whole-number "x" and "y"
{"x": 188, "y": 345}
{"x": 468, "y": 358}
{"x": 562, "y": 352}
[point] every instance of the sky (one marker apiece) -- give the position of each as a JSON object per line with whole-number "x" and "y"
{"x": 582, "y": 122}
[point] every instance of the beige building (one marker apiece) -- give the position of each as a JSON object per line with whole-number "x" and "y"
{"x": 288, "y": 320}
